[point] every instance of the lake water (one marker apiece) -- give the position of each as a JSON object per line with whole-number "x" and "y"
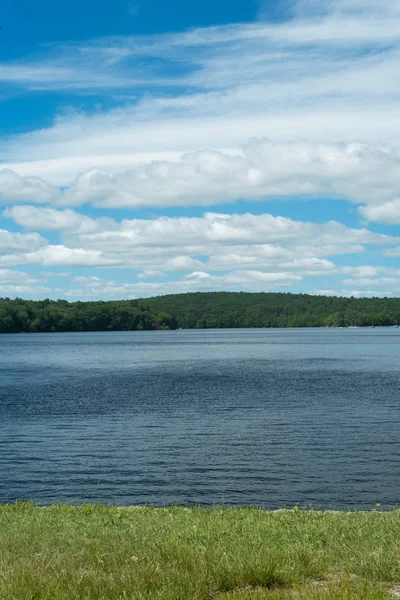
{"x": 263, "y": 417}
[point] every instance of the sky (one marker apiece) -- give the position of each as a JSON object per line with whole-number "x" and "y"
{"x": 157, "y": 147}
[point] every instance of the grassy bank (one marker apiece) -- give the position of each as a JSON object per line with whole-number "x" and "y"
{"x": 63, "y": 552}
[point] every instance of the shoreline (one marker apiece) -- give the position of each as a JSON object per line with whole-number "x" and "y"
{"x": 377, "y": 508}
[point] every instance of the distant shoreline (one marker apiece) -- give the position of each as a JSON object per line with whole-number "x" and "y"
{"x": 208, "y": 310}
{"x": 194, "y": 329}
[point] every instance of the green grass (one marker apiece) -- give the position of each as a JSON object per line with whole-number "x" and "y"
{"x": 91, "y": 551}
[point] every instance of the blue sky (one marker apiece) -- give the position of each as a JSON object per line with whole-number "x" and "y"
{"x": 151, "y": 148}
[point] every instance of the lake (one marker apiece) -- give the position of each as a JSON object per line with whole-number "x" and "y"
{"x": 263, "y": 417}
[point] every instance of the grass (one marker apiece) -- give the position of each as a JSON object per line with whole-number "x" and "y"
{"x": 94, "y": 552}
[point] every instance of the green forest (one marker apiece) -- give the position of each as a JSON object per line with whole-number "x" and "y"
{"x": 197, "y": 311}
{"x": 242, "y": 309}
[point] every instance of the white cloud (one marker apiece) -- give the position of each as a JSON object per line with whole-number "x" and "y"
{"x": 9, "y": 276}
{"x": 264, "y": 169}
{"x": 11, "y": 242}
{"x": 93, "y": 280}
{"x": 340, "y": 7}
{"x": 352, "y": 293}
{"x": 202, "y": 281}
{"x": 266, "y": 110}
{"x": 59, "y": 255}
{"x": 112, "y": 61}
{"x": 363, "y": 271}
{"x": 54, "y": 274}
{"x": 51, "y": 219}
{"x": 373, "y": 277}
{"x": 265, "y": 234}
{"x": 198, "y": 275}
{"x": 16, "y": 283}
{"x": 325, "y": 292}
{"x": 210, "y": 228}
{"x": 14, "y": 188}
{"x": 319, "y": 78}
{"x": 196, "y": 281}
{"x": 387, "y": 212}
{"x": 149, "y": 274}
{"x": 392, "y": 283}
{"x": 369, "y": 294}
{"x": 25, "y": 291}
{"x": 216, "y": 251}
{"x": 392, "y": 251}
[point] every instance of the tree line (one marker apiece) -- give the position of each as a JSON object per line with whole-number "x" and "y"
{"x": 197, "y": 310}
{"x": 243, "y": 309}
{"x": 25, "y": 316}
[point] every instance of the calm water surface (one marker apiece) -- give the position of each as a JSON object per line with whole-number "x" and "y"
{"x": 265, "y": 417}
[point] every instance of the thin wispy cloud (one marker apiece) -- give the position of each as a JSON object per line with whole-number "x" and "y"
{"x": 332, "y": 39}
{"x": 133, "y": 8}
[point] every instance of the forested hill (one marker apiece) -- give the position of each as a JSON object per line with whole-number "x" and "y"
{"x": 197, "y": 310}
{"x": 242, "y": 309}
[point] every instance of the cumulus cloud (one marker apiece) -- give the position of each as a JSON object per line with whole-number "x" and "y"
{"x": 193, "y": 282}
{"x": 19, "y": 242}
{"x": 392, "y": 252}
{"x": 373, "y": 278}
{"x": 14, "y": 188}
{"x": 387, "y": 212}
{"x": 196, "y": 281}
{"x": 59, "y": 255}
{"x": 369, "y": 294}
{"x": 215, "y": 251}
{"x": 224, "y": 241}
{"x": 249, "y": 280}
{"x": 267, "y": 236}
{"x": 51, "y": 219}
{"x": 149, "y": 274}
{"x": 263, "y": 169}
{"x": 392, "y": 283}
{"x": 345, "y": 293}
{"x": 14, "y": 283}
{"x": 25, "y": 291}
{"x": 9, "y": 276}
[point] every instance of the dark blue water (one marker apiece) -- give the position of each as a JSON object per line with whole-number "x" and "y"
{"x": 267, "y": 417}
